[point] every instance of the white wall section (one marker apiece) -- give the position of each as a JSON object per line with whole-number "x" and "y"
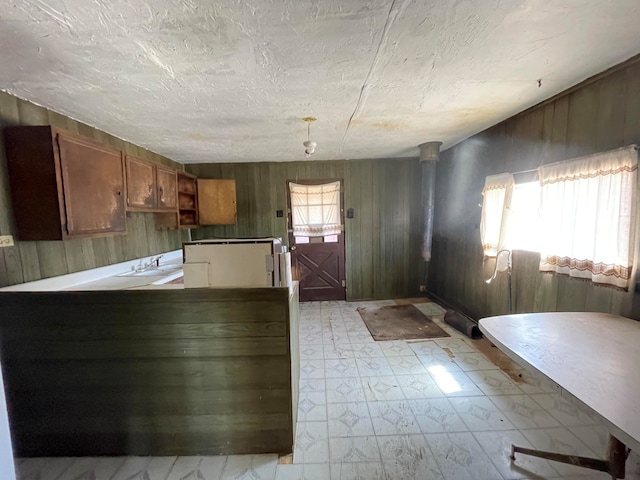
{"x": 228, "y": 81}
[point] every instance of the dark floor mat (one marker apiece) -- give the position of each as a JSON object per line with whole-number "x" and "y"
{"x": 399, "y": 322}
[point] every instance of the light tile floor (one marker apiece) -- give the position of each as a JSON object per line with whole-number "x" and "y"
{"x": 437, "y": 409}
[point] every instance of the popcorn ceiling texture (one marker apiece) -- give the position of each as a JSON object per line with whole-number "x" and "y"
{"x": 229, "y": 80}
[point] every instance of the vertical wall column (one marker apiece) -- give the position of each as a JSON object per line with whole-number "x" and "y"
{"x": 6, "y": 452}
{"x": 429, "y": 155}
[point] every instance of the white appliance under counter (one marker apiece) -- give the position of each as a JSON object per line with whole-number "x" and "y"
{"x": 236, "y": 263}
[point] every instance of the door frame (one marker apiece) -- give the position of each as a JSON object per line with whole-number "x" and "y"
{"x": 289, "y": 226}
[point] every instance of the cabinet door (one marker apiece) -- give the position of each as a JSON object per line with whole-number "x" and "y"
{"x": 141, "y": 184}
{"x": 167, "y": 189}
{"x": 216, "y": 202}
{"x": 93, "y": 184}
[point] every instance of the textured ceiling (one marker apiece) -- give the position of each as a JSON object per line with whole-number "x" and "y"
{"x": 229, "y": 80}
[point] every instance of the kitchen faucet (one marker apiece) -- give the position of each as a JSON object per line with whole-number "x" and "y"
{"x": 154, "y": 262}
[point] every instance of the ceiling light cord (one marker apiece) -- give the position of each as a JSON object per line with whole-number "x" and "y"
{"x": 309, "y": 146}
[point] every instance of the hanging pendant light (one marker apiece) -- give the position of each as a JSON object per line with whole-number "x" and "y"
{"x": 309, "y": 146}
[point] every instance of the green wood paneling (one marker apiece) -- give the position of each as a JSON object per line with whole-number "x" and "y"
{"x": 599, "y": 115}
{"x": 29, "y": 261}
{"x": 202, "y": 371}
{"x": 382, "y": 248}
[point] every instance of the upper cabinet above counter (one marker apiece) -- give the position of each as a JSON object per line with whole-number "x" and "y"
{"x": 63, "y": 185}
{"x": 217, "y": 201}
{"x": 202, "y": 201}
{"x": 187, "y": 200}
{"x": 150, "y": 187}
{"x": 66, "y": 186}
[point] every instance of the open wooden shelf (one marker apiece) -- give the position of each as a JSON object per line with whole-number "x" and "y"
{"x": 186, "y": 214}
{"x": 187, "y": 200}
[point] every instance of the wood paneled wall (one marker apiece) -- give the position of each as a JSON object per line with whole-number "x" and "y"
{"x": 154, "y": 372}
{"x": 28, "y": 261}
{"x": 601, "y": 114}
{"x": 383, "y": 238}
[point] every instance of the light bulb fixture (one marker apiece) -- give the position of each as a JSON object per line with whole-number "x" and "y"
{"x": 309, "y": 146}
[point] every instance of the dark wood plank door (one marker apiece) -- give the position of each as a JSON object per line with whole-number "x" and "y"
{"x": 93, "y": 182}
{"x": 318, "y": 265}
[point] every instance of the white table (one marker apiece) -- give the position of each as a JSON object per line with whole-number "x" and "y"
{"x": 595, "y": 360}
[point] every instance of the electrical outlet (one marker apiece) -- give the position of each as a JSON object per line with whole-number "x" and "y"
{"x": 423, "y": 288}
{"x": 6, "y": 241}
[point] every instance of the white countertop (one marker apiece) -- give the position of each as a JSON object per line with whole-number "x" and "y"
{"x": 118, "y": 276}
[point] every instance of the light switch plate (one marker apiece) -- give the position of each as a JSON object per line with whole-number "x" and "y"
{"x": 6, "y": 241}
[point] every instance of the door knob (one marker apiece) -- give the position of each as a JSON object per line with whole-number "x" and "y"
{"x": 293, "y": 248}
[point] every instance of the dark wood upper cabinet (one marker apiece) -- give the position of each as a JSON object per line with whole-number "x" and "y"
{"x": 167, "y": 188}
{"x": 141, "y": 184}
{"x": 63, "y": 185}
{"x": 150, "y": 187}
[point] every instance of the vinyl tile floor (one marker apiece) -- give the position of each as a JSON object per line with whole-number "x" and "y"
{"x": 435, "y": 409}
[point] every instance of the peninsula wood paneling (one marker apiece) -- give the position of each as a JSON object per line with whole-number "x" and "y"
{"x": 601, "y": 114}
{"x": 180, "y": 372}
{"x": 382, "y": 241}
{"x": 27, "y": 261}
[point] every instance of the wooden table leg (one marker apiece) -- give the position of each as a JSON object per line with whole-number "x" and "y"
{"x": 614, "y": 465}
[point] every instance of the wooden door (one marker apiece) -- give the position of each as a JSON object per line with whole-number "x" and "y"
{"x": 141, "y": 184}
{"x": 167, "y": 189}
{"x": 93, "y": 185}
{"x": 318, "y": 263}
{"x": 216, "y": 201}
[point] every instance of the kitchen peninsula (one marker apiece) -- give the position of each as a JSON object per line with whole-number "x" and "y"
{"x": 130, "y": 364}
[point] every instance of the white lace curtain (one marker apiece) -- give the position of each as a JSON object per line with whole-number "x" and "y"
{"x": 315, "y": 209}
{"x": 588, "y": 216}
{"x": 495, "y": 202}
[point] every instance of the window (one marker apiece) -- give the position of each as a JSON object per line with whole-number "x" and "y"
{"x": 580, "y": 216}
{"x": 522, "y": 230}
{"x": 315, "y": 209}
{"x": 496, "y": 194}
{"x": 588, "y": 216}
